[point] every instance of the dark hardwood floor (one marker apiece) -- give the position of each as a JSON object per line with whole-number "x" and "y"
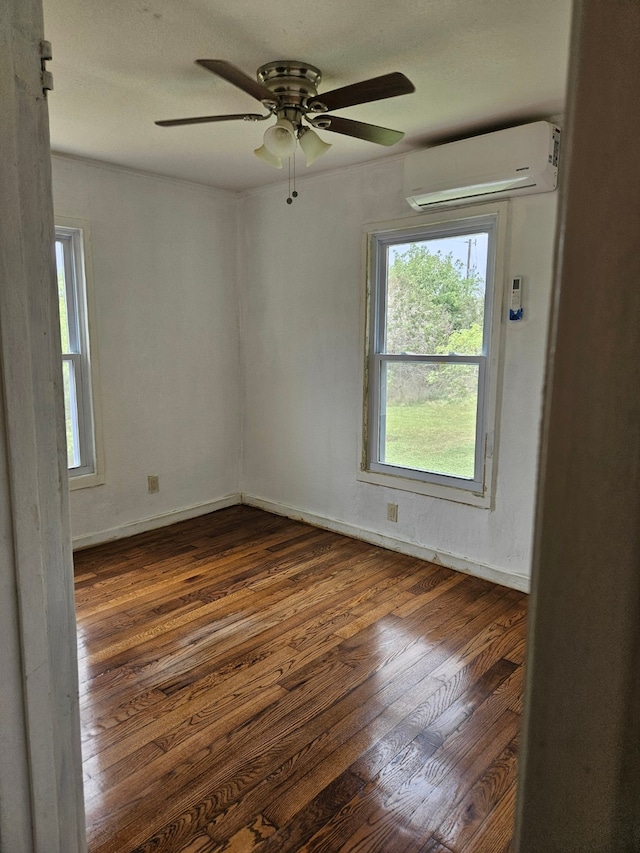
{"x": 251, "y": 684}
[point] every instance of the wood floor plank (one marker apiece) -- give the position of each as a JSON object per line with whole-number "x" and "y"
{"x": 495, "y": 831}
{"x": 467, "y": 818}
{"x": 300, "y": 632}
{"x": 240, "y": 767}
{"x": 384, "y": 815}
{"x": 284, "y": 809}
{"x": 225, "y": 611}
{"x": 517, "y": 653}
{"x": 441, "y": 582}
{"x": 251, "y": 684}
{"x": 433, "y": 846}
{"x": 445, "y": 746}
{"x": 216, "y": 803}
{"x": 356, "y": 818}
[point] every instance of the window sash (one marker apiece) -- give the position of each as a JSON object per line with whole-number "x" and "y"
{"x": 377, "y": 436}
{"x": 380, "y": 243}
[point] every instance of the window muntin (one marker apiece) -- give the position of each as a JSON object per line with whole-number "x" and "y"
{"x": 74, "y": 334}
{"x": 432, "y": 308}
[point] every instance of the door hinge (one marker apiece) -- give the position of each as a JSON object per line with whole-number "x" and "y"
{"x": 46, "y": 77}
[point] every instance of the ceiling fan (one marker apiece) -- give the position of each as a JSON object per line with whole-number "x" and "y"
{"x": 288, "y": 89}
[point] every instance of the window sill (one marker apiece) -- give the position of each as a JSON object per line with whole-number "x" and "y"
{"x": 85, "y": 481}
{"x": 420, "y": 487}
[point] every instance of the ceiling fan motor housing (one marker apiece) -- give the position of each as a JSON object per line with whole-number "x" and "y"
{"x": 293, "y": 83}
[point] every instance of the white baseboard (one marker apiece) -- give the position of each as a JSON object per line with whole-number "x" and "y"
{"x": 153, "y": 523}
{"x": 442, "y": 558}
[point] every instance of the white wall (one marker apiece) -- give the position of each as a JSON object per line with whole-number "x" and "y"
{"x": 302, "y": 353}
{"x": 164, "y": 270}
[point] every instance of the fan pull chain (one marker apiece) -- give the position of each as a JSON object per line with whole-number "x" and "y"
{"x": 293, "y": 194}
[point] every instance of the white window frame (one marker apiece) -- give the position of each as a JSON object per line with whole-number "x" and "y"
{"x": 74, "y": 234}
{"x": 378, "y": 237}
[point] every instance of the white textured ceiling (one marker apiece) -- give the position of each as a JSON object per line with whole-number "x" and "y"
{"x": 119, "y": 65}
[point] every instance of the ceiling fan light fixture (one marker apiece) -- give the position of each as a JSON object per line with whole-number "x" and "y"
{"x": 312, "y": 145}
{"x": 267, "y": 157}
{"x": 280, "y": 138}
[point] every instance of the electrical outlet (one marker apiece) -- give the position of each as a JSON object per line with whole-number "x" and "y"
{"x": 153, "y": 484}
{"x": 392, "y": 512}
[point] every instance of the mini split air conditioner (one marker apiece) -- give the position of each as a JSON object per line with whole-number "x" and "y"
{"x": 509, "y": 162}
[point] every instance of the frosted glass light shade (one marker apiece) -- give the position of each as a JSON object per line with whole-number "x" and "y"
{"x": 312, "y": 146}
{"x": 280, "y": 139}
{"x": 267, "y": 157}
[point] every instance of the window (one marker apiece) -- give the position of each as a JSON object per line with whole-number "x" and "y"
{"x": 434, "y": 300}
{"x": 76, "y": 364}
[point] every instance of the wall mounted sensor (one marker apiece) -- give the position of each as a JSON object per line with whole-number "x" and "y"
{"x": 515, "y": 309}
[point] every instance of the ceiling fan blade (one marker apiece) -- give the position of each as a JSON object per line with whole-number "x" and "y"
{"x": 237, "y": 77}
{"x": 173, "y": 122}
{"x": 375, "y": 89}
{"x": 348, "y": 127}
